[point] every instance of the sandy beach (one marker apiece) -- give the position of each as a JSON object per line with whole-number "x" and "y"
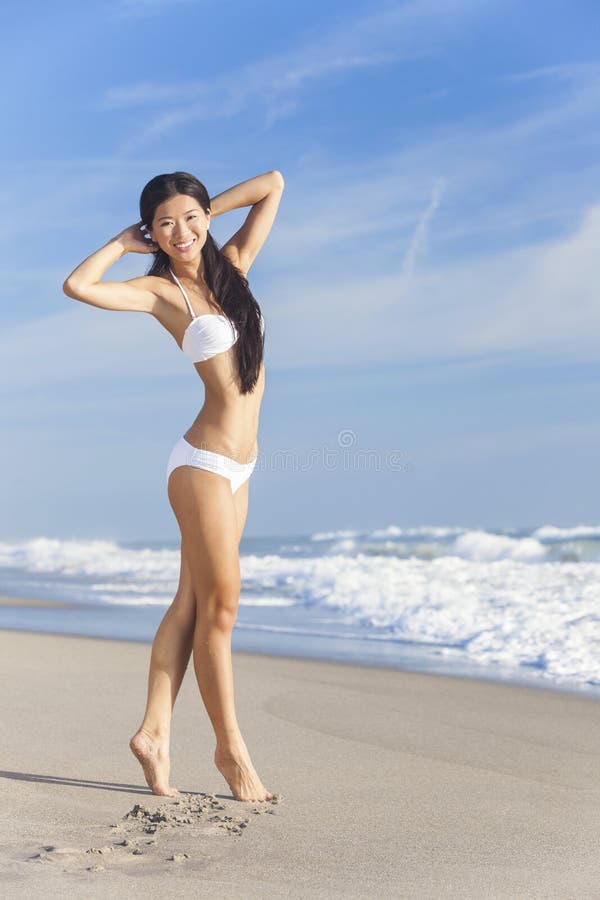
{"x": 394, "y": 784}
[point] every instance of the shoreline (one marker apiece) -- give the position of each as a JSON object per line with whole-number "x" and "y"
{"x": 366, "y": 652}
{"x": 394, "y": 784}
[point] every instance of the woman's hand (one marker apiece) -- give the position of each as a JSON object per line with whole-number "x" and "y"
{"x": 136, "y": 239}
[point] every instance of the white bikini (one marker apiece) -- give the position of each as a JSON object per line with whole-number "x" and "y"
{"x": 207, "y": 336}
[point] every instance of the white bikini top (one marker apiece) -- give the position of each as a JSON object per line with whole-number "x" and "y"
{"x": 206, "y": 335}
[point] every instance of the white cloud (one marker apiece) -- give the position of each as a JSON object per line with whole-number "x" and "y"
{"x": 503, "y": 184}
{"x": 540, "y": 299}
{"x": 562, "y": 72}
{"x": 419, "y": 237}
{"x": 383, "y": 37}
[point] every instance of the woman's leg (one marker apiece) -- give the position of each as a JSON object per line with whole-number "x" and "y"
{"x": 208, "y": 517}
{"x": 171, "y": 651}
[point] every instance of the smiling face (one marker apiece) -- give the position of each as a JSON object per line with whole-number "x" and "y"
{"x": 180, "y": 226}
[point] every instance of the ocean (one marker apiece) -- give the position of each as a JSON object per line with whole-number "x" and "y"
{"x": 514, "y": 605}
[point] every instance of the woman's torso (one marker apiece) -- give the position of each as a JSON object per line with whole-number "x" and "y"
{"x": 228, "y": 420}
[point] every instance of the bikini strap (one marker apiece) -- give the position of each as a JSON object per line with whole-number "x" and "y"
{"x": 189, "y": 305}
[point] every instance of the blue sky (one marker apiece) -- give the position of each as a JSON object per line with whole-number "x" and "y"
{"x": 430, "y": 286}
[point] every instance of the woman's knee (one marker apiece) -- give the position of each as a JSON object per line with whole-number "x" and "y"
{"x": 218, "y": 607}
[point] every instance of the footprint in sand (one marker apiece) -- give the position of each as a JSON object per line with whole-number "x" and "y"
{"x": 149, "y": 832}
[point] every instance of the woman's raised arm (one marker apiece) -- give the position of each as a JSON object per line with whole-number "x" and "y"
{"x": 263, "y": 194}
{"x": 135, "y": 294}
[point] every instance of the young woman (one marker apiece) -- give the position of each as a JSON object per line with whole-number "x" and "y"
{"x": 200, "y": 294}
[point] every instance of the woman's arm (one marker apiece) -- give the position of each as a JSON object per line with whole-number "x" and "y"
{"x": 263, "y": 194}
{"x": 84, "y": 282}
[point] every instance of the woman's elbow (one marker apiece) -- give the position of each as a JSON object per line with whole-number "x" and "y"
{"x": 70, "y": 290}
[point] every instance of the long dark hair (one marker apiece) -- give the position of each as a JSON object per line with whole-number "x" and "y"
{"x": 227, "y": 283}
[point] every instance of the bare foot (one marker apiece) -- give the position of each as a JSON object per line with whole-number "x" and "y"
{"x": 239, "y": 773}
{"x": 154, "y": 758}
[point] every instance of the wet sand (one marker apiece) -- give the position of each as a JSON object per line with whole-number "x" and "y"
{"x": 394, "y": 784}
{"x": 6, "y": 600}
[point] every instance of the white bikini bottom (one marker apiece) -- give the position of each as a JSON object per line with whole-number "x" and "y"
{"x": 185, "y": 454}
